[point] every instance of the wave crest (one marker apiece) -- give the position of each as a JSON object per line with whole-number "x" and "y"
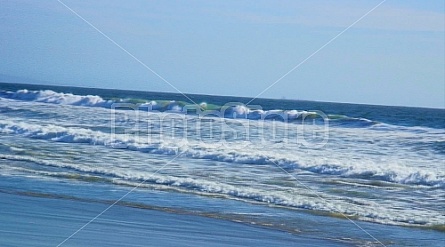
{"x": 232, "y": 111}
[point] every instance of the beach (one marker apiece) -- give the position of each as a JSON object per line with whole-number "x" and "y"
{"x": 50, "y": 221}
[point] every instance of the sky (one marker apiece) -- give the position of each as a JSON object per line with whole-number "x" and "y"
{"x": 395, "y": 55}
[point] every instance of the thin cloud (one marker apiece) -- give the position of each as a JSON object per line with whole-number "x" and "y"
{"x": 332, "y": 15}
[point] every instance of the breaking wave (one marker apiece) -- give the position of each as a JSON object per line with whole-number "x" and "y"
{"x": 227, "y": 111}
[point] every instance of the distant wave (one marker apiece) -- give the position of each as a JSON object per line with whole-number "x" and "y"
{"x": 346, "y": 121}
{"x": 48, "y": 96}
{"x": 199, "y": 150}
{"x": 231, "y": 111}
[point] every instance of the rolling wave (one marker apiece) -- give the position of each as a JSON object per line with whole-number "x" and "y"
{"x": 226, "y": 111}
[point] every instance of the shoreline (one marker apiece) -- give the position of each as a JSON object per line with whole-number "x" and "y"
{"x": 87, "y": 201}
{"x": 49, "y": 221}
{"x": 228, "y": 217}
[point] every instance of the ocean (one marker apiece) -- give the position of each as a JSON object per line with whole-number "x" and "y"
{"x": 86, "y": 166}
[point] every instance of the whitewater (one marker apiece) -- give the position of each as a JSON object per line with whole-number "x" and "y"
{"x": 316, "y": 160}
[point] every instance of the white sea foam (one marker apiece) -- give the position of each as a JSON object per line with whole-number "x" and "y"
{"x": 295, "y": 198}
{"x": 48, "y": 96}
{"x": 396, "y": 172}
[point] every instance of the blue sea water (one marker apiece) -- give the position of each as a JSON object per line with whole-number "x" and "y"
{"x": 345, "y": 174}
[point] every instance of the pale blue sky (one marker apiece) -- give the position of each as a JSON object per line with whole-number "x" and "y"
{"x": 394, "y": 56}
